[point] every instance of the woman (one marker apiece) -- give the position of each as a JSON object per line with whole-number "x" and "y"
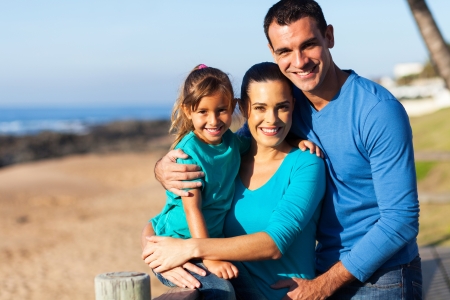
{"x": 272, "y": 222}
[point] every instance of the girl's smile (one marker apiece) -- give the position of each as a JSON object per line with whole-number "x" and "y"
{"x": 212, "y": 117}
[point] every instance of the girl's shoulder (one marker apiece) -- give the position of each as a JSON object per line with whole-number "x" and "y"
{"x": 188, "y": 140}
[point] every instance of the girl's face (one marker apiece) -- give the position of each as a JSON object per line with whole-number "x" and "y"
{"x": 211, "y": 118}
{"x": 269, "y": 112}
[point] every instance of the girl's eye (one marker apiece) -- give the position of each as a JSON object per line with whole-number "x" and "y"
{"x": 201, "y": 112}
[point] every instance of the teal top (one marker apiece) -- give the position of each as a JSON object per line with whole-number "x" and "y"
{"x": 287, "y": 208}
{"x": 220, "y": 163}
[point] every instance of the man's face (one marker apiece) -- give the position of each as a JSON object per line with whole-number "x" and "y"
{"x": 302, "y": 53}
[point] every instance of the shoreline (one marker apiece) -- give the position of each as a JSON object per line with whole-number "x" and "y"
{"x": 118, "y": 136}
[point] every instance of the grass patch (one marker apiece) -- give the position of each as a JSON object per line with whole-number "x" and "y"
{"x": 434, "y": 226}
{"x": 431, "y": 131}
{"x": 423, "y": 168}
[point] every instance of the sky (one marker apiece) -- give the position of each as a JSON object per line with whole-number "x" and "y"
{"x": 101, "y": 53}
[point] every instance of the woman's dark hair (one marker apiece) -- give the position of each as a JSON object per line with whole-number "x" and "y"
{"x": 262, "y": 72}
{"x": 286, "y": 12}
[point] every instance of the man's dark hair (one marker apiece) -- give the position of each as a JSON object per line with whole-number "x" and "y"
{"x": 286, "y": 12}
{"x": 262, "y": 72}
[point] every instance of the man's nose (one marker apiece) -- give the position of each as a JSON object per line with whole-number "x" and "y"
{"x": 299, "y": 59}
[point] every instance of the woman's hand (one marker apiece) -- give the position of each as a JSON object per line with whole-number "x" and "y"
{"x": 172, "y": 176}
{"x": 223, "y": 269}
{"x": 182, "y": 278}
{"x": 165, "y": 253}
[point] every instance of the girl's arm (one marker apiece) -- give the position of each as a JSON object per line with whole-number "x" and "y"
{"x": 192, "y": 205}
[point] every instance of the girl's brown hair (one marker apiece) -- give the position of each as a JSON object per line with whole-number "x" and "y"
{"x": 201, "y": 82}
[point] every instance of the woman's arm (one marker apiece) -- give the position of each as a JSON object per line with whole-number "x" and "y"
{"x": 163, "y": 253}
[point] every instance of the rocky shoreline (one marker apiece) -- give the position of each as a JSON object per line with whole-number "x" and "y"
{"x": 121, "y": 136}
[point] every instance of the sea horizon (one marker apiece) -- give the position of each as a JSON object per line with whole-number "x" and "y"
{"x": 20, "y": 121}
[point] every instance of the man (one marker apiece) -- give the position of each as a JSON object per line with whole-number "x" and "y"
{"x": 367, "y": 232}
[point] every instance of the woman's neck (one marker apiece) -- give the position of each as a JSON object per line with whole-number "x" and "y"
{"x": 263, "y": 153}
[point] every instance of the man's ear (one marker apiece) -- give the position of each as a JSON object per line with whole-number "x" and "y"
{"x": 187, "y": 112}
{"x": 329, "y": 36}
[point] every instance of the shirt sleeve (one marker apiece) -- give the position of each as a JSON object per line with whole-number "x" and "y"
{"x": 299, "y": 203}
{"x": 387, "y": 137}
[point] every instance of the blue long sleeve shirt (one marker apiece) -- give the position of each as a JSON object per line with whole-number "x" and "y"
{"x": 370, "y": 212}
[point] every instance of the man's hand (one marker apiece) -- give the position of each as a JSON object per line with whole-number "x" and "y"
{"x": 321, "y": 287}
{"x": 302, "y": 289}
{"x": 313, "y": 148}
{"x": 182, "y": 278}
{"x": 172, "y": 175}
{"x": 223, "y": 269}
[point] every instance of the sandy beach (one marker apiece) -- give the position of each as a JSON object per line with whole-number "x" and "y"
{"x": 63, "y": 221}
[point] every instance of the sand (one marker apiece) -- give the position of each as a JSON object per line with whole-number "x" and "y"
{"x": 63, "y": 221}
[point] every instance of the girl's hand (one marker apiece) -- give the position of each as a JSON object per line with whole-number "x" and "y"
{"x": 182, "y": 278}
{"x": 164, "y": 253}
{"x": 312, "y": 147}
{"x": 223, "y": 269}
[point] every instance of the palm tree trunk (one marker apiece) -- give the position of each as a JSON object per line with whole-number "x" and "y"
{"x": 439, "y": 51}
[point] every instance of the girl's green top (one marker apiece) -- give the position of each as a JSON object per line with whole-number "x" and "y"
{"x": 220, "y": 163}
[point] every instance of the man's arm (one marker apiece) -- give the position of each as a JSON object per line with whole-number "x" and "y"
{"x": 387, "y": 137}
{"x": 177, "y": 177}
{"x": 321, "y": 287}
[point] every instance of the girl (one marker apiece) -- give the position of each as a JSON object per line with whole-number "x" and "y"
{"x": 201, "y": 119}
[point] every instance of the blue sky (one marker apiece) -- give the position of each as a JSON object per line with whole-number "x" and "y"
{"x": 115, "y": 53}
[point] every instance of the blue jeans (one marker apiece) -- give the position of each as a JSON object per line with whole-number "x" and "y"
{"x": 211, "y": 288}
{"x": 399, "y": 282}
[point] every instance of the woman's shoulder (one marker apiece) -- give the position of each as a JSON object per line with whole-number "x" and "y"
{"x": 299, "y": 158}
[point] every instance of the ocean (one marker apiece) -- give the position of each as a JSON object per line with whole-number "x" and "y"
{"x": 29, "y": 121}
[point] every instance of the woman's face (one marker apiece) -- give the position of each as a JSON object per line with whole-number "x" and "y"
{"x": 269, "y": 112}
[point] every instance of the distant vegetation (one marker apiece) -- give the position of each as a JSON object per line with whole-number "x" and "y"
{"x": 429, "y": 71}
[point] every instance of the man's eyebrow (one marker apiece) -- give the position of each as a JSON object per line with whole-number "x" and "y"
{"x": 281, "y": 50}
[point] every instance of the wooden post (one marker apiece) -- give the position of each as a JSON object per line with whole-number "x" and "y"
{"x": 122, "y": 286}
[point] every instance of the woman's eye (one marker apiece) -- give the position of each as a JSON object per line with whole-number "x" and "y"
{"x": 283, "y": 107}
{"x": 201, "y": 112}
